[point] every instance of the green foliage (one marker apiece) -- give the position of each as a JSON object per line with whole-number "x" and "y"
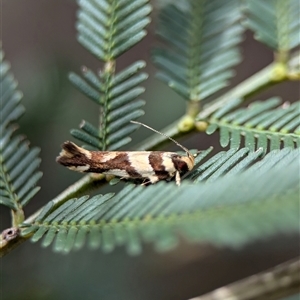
{"x": 18, "y": 163}
{"x": 200, "y": 56}
{"x": 108, "y": 28}
{"x": 260, "y": 122}
{"x": 229, "y": 199}
{"x": 232, "y": 210}
{"x": 232, "y": 161}
{"x": 115, "y": 94}
{"x": 275, "y": 22}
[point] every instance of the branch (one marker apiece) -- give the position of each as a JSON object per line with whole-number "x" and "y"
{"x": 276, "y": 283}
{"x": 78, "y": 189}
{"x": 11, "y": 238}
{"x": 265, "y": 78}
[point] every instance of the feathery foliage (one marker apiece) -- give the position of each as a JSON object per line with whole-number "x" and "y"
{"x": 224, "y": 212}
{"x": 275, "y": 23}
{"x": 18, "y": 163}
{"x": 229, "y": 199}
{"x": 199, "y": 56}
{"x": 115, "y": 94}
{"x": 232, "y": 161}
{"x": 107, "y": 29}
{"x": 259, "y": 123}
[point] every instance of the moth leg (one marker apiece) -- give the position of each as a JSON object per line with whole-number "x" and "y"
{"x": 152, "y": 179}
{"x": 146, "y": 182}
{"x": 177, "y": 178}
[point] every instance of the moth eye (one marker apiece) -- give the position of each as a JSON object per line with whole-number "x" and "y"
{"x": 180, "y": 164}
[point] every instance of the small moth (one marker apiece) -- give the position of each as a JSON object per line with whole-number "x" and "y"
{"x": 151, "y": 166}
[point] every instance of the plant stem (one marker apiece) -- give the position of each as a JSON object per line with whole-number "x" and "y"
{"x": 250, "y": 86}
{"x": 276, "y": 283}
{"x": 17, "y": 216}
{"x": 86, "y": 183}
{"x": 244, "y": 90}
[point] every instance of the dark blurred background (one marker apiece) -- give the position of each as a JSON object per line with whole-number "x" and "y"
{"x": 39, "y": 40}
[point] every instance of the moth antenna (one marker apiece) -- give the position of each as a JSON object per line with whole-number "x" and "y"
{"x": 179, "y": 145}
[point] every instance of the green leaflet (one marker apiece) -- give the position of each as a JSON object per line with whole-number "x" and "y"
{"x": 275, "y": 23}
{"x": 262, "y": 125}
{"x": 116, "y": 95}
{"x": 18, "y": 162}
{"x": 232, "y": 210}
{"x": 109, "y": 28}
{"x": 199, "y": 56}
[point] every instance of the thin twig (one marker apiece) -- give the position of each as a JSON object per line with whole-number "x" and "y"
{"x": 86, "y": 183}
{"x": 276, "y": 283}
{"x": 252, "y": 85}
{"x": 243, "y": 90}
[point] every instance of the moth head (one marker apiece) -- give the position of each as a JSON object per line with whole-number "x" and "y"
{"x": 184, "y": 163}
{"x": 190, "y": 160}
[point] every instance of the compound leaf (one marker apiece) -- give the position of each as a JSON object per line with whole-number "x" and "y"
{"x": 201, "y": 50}
{"x": 275, "y": 23}
{"x": 234, "y": 209}
{"x": 263, "y": 124}
{"x": 109, "y": 28}
{"x": 18, "y": 162}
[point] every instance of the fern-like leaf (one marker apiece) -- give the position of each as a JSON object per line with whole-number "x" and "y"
{"x": 259, "y": 123}
{"x": 223, "y": 163}
{"x": 18, "y": 163}
{"x": 275, "y": 23}
{"x": 230, "y": 211}
{"x": 115, "y": 95}
{"x": 202, "y": 46}
{"x": 107, "y": 28}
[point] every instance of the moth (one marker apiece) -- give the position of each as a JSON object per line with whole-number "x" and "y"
{"x": 150, "y": 166}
